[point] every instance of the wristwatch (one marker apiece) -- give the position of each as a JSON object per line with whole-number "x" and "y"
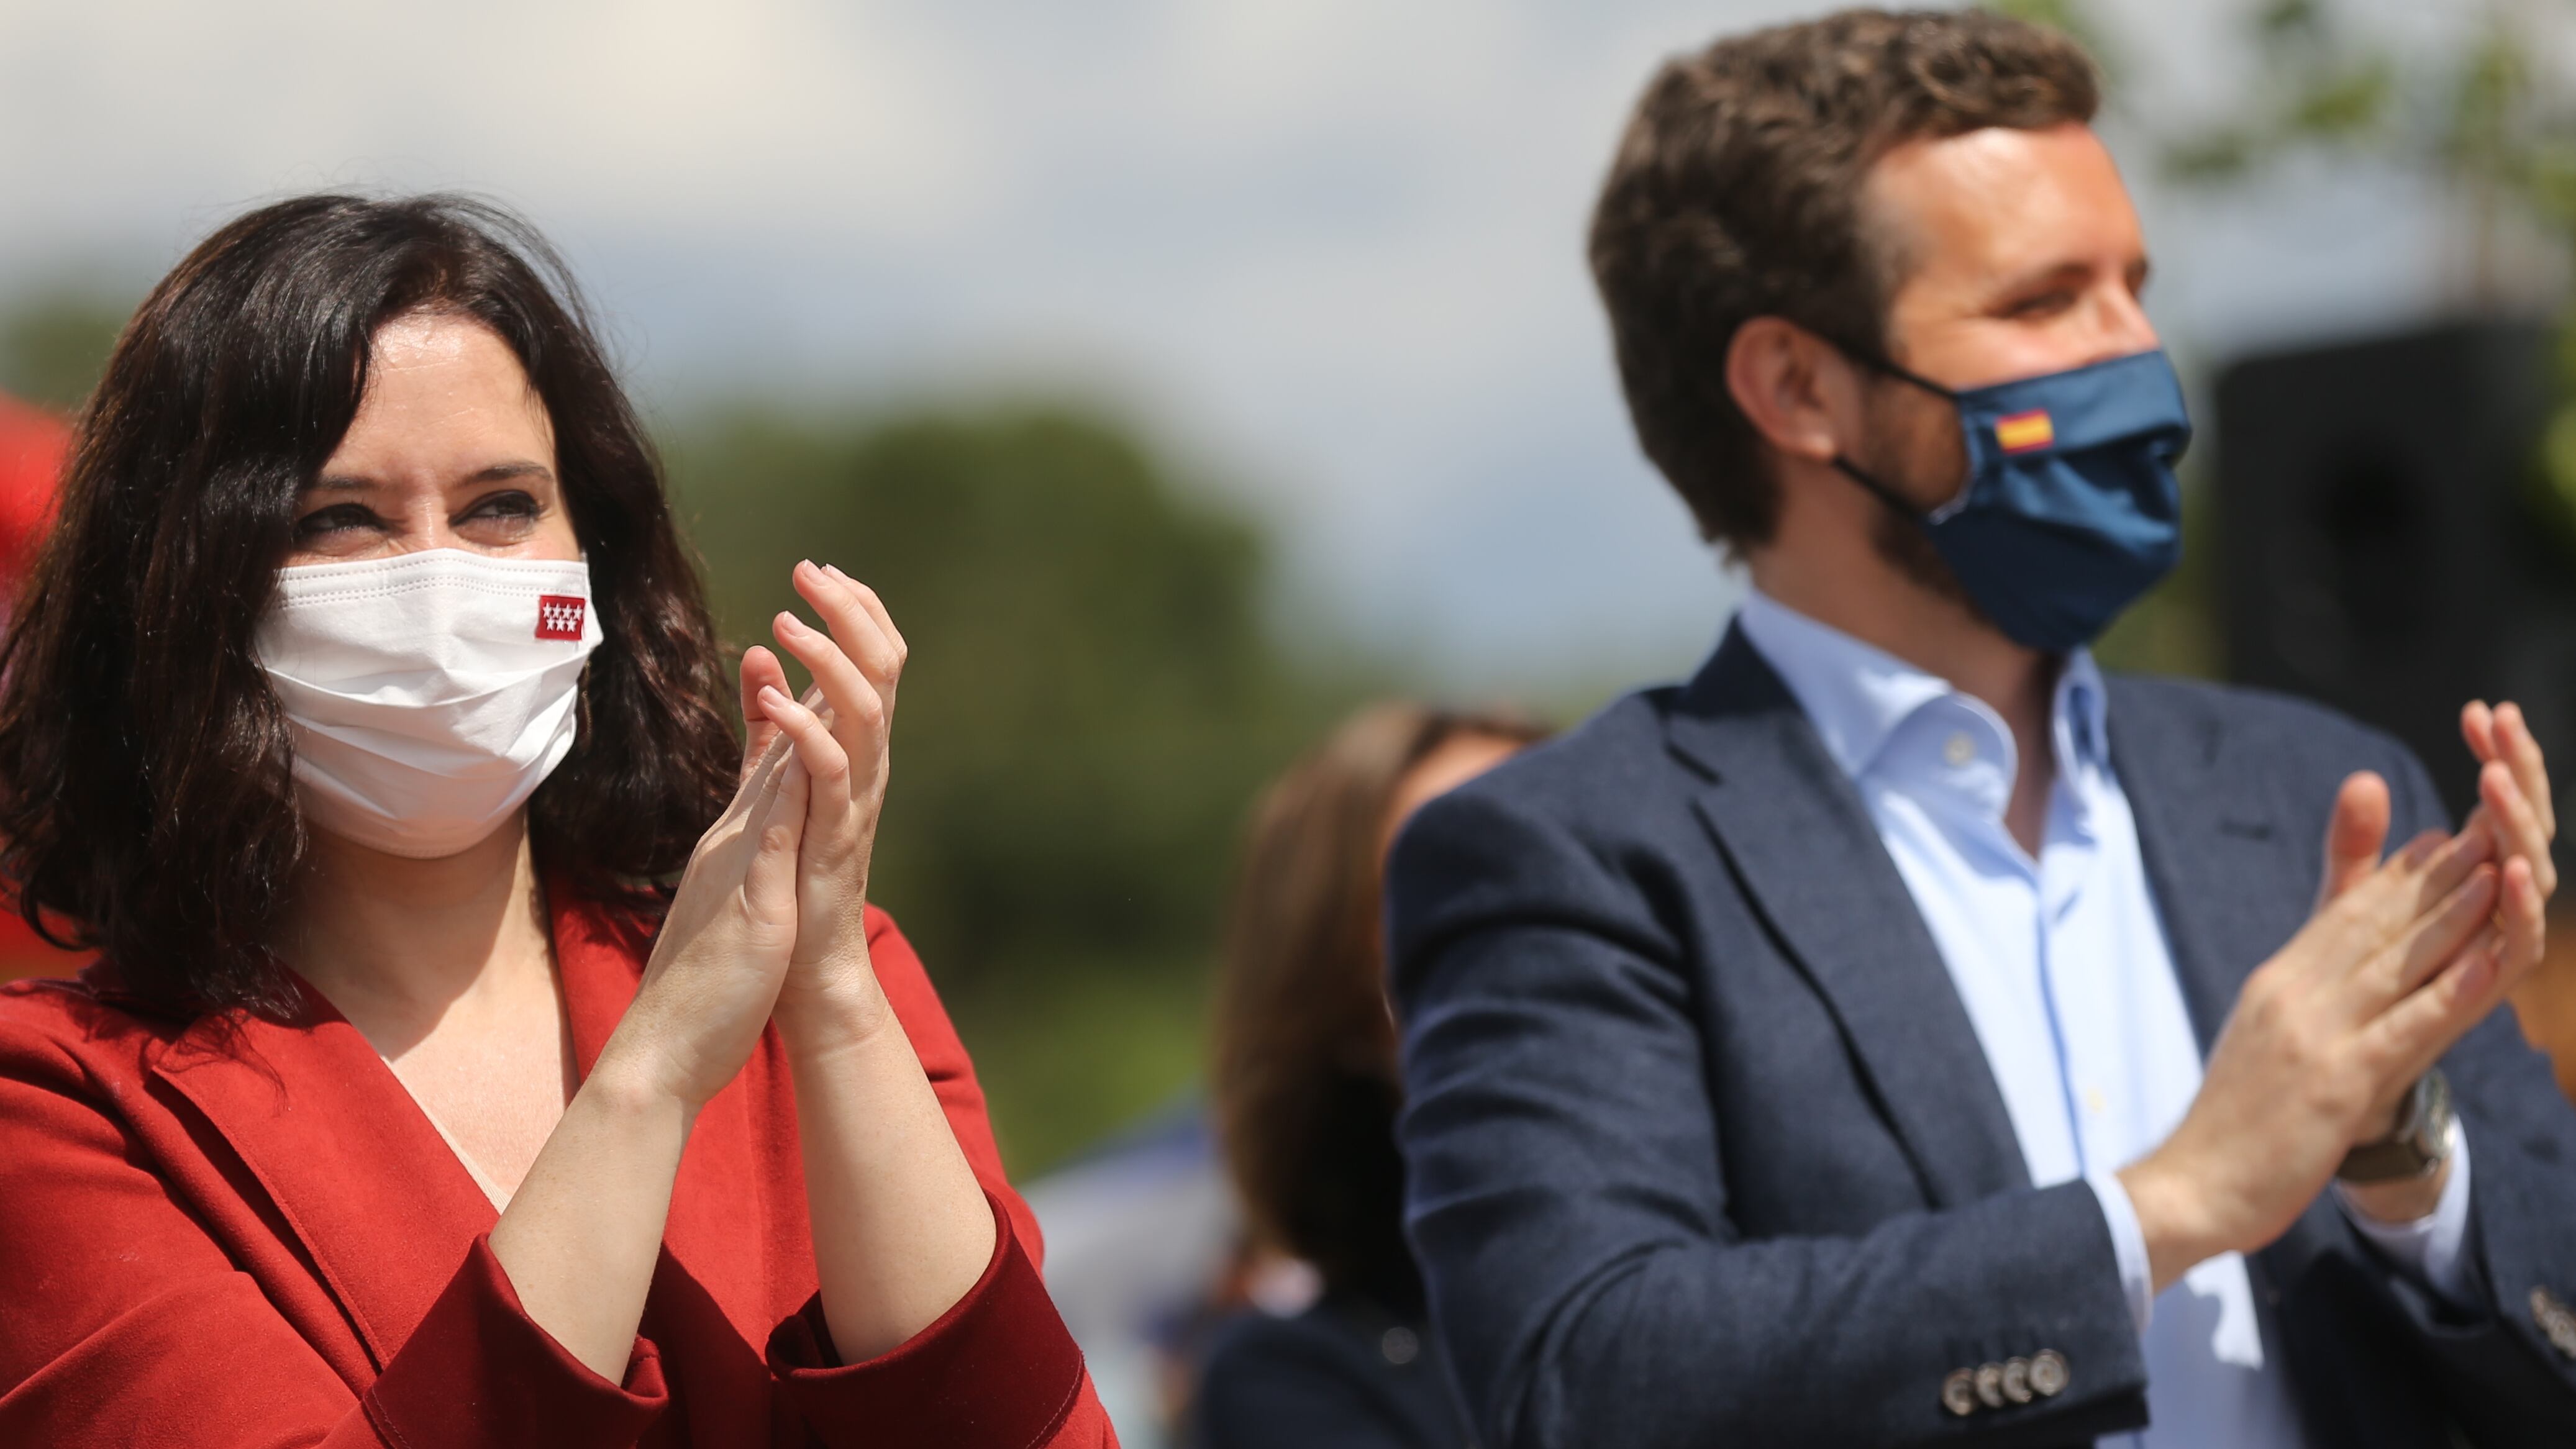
{"x": 2416, "y": 1147}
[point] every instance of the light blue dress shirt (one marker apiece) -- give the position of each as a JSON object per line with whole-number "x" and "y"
{"x": 2064, "y": 969}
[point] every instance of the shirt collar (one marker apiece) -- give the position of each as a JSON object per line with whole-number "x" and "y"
{"x": 1857, "y": 695}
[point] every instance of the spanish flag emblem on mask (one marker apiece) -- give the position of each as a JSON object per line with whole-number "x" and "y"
{"x": 2022, "y": 432}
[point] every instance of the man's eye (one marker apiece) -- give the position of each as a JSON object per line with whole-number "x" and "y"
{"x": 337, "y": 518}
{"x": 2040, "y": 305}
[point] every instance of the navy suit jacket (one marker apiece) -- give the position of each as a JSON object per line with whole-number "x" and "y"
{"x": 1702, "y": 1148}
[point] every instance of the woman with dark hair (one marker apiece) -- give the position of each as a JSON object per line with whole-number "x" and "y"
{"x": 1306, "y": 1092}
{"x": 361, "y": 704}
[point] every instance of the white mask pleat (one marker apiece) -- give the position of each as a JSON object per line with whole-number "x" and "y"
{"x": 429, "y": 693}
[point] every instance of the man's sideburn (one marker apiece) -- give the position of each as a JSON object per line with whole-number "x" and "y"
{"x": 1922, "y": 440}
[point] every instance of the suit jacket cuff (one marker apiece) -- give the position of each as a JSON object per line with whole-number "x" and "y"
{"x": 998, "y": 1370}
{"x": 478, "y": 1371}
{"x": 2128, "y": 1247}
{"x": 2429, "y": 1248}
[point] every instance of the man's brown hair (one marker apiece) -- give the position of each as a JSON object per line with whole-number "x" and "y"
{"x": 1735, "y": 194}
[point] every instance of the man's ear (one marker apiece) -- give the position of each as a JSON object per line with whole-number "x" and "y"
{"x": 1799, "y": 392}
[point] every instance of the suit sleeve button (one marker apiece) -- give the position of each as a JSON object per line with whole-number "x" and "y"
{"x": 2048, "y": 1373}
{"x": 1990, "y": 1385}
{"x": 1959, "y": 1393}
{"x": 2556, "y": 1323}
{"x": 2017, "y": 1380}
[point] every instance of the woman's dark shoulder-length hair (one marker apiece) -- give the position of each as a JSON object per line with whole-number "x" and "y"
{"x": 1303, "y": 1076}
{"x": 146, "y": 802}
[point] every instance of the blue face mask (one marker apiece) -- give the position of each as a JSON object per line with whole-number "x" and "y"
{"x": 2071, "y": 510}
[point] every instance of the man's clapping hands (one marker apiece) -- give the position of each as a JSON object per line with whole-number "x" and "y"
{"x": 2400, "y": 959}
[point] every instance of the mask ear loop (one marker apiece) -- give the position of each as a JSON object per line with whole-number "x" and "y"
{"x": 1876, "y": 362}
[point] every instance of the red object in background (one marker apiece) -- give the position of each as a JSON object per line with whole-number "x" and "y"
{"x": 32, "y": 447}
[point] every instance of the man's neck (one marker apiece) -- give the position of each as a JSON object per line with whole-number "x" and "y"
{"x": 1872, "y": 601}
{"x": 394, "y": 942}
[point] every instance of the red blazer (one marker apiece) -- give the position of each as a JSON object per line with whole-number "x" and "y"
{"x": 238, "y": 1233}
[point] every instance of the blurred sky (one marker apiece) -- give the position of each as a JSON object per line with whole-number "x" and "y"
{"x": 1327, "y": 251}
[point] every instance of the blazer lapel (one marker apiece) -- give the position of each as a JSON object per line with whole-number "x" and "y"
{"x": 379, "y": 1201}
{"x": 358, "y": 1174}
{"x": 1812, "y": 865}
{"x": 600, "y": 959}
{"x": 2209, "y": 828}
{"x": 2228, "y": 885}
{"x": 736, "y": 1226}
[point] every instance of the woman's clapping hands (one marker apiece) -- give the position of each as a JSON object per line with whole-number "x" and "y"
{"x": 769, "y": 920}
{"x": 843, "y": 750}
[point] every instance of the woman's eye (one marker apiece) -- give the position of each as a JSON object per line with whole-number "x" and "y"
{"x": 511, "y": 506}
{"x": 337, "y": 518}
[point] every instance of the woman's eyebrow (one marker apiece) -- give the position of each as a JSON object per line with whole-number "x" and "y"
{"x": 503, "y": 472}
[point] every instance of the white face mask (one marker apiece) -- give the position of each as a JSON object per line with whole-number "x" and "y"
{"x": 429, "y": 693}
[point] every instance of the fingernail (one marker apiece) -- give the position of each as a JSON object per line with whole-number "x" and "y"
{"x": 772, "y": 694}
{"x": 792, "y": 624}
{"x": 835, "y": 571}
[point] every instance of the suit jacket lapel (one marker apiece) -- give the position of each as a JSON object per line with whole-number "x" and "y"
{"x": 358, "y": 1174}
{"x": 1812, "y": 864}
{"x": 2209, "y": 824}
{"x": 2229, "y": 886}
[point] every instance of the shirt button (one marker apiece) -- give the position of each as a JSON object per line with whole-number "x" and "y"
{"x": 2557, "y": 1324}
{"x": 1399, "y": 1346}
{"x": 1959, "y": 749}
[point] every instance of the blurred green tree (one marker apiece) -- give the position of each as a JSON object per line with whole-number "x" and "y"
{"x": 53, "y": 347}
{"x": 2490, "y": 131}
{"x": 1094, "y": 694}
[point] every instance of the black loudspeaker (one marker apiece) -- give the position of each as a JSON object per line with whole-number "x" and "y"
{"x": 2387, "y": 545}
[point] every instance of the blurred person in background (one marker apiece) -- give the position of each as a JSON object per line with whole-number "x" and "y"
{"x": 1901, "y": 1032}
{"x": 1305, "y": 1094}
{"x": 361, "y": 697}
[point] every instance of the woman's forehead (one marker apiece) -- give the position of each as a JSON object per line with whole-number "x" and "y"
{"x": 446, "y": 399}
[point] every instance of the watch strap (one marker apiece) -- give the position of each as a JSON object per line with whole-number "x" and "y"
{"x": 2416, "y": 1146}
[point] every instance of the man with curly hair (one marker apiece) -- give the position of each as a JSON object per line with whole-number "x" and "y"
{"x": 1902, "y": 1032}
